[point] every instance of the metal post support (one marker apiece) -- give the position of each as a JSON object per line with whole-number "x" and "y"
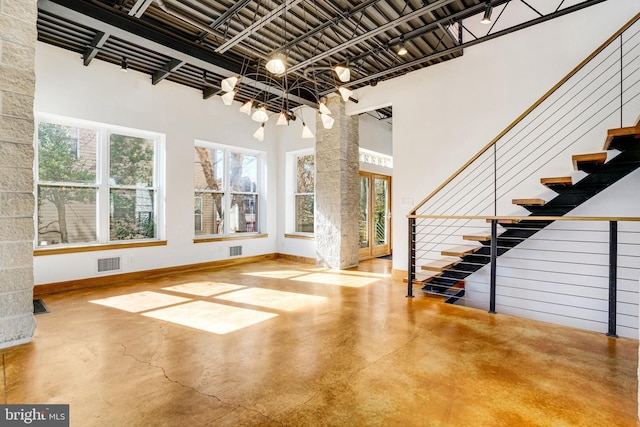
{"x": 494, "y": 257}
{"x": 613, "y": 277}
{"x": 411, "y": 271}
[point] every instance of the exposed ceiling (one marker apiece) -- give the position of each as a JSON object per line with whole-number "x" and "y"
{"x": 198, "y": 43}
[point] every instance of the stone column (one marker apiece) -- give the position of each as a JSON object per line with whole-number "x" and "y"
{"x": 337, "y": 191}
{"x": 17, "y": 86}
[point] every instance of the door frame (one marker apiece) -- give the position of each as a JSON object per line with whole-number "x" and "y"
{"x": 372, "y": 250}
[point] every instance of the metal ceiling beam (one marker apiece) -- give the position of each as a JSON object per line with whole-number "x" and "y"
{"x": 381, "y": 29}
{"x": 139, "y": 8}
{"x": 233, "y": 9}
{"x": 134, "y": 32}
{"x": 420, "y": 61}
{"x": 331, "y": 23}
{"x": 265, "y": 20}
{"x": 167, "y": 69}
{"x": 91, "y": 51}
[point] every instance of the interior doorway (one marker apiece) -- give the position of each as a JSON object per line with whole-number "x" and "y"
{"x": 375, "y": 215}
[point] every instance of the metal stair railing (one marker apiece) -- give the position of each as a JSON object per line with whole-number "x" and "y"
{"x": 602, "y": 92}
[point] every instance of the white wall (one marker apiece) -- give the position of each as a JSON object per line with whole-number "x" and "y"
{"x": 102, "y": 93}
{"x": 444, "y": 114}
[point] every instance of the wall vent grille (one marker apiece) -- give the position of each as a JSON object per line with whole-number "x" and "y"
{"x": 108, "y": 264}
{"x": 235, "y": 250}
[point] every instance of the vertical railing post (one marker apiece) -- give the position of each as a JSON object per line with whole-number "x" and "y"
{"x": 411, "y": 271}
{"x": 621, "y": 81}
{"x": 613, "y": 277}
{"x": 494, "y": 257}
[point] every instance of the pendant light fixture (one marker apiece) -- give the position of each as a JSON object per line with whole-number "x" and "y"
{"x": 283, "y": 120}
{"x": 327, "y": 121}
{"x": 402, "y": 50}
{"x": 345, "y": 93}
{"x": 246, "y": 107}
{"x": 276, "y": 65}
{"x": 259, "y": 134}
{"x": 486, "y": 19}
{"x": 322, "y": 106}
{"x": 306, "y": 132}
{"x": 343, "y": 73}
{"x": 123, "y": 65}
{"x": 229, "y": 84}
{"x": 260, "y": 115}
{"x": 227, "y": 98}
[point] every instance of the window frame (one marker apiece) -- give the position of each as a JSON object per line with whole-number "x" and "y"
{"x": 227, "y": 193}
{"x": 102, "y": 183}
{"x": 291, "y": 188}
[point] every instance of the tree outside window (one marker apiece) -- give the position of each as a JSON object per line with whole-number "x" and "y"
{"x": 304, "y": 193}
{"x": 226, "y": 191}
{"x": 69, "y": 191}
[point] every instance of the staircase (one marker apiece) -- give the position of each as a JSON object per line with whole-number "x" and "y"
{"x": 620, "y": 157}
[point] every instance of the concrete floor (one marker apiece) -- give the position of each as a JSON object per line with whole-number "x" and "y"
{"x": 279, "y": 343}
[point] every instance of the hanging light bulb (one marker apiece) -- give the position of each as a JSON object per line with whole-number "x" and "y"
{"x": 486, "y": 19}
{"x": 229, "y": 84}
{"x": 283, "y": 120}
{"x": 259, "y": 134}
{"x": 345, "y": 93}
{"x": 306, "y": 132}
{"x": 260, "y": 115}
{"x": 227, "y": 98}
{"x": 322, "y": 106}
{"x": 246, "y": 107}
{"x": 327, "y": 121}
{"x": 343, "y": 73}
{"x": 124, "y": 66}
{"x": 276, "y": 65}
{"x": 402, "y": 50}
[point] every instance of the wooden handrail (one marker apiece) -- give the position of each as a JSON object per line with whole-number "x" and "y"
{"x": 533, "y": 218}
{"x": 526, "y": 113}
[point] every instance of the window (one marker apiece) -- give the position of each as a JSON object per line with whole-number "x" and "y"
{"x": 95, "y": 183}
{"x": 300, "y": 188}
{"x": 304, "y": 193}
{"x": 226, "y": 190}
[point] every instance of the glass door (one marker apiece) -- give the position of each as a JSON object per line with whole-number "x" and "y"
{"x": 375, "y": 215}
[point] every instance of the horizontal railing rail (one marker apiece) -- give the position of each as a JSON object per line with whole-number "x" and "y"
{"x": 581, "y": 270}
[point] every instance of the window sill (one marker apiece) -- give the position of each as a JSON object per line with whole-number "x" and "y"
{"x": 98, "y": 247}
{"x": 300, "y": 236}
{"x": 240, "y": 236}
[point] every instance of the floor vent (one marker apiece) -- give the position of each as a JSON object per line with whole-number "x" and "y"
{"x": 235, "y": 250}
{"x": 39, "y": 307}
{"x": 108, "y": 264}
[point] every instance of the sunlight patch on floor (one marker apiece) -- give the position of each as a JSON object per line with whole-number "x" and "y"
{"x": 278, "y": 274}
{"x": 204, "y": 289}
{"x": 140, "y": 301}
{"x": 337, "y": 279}
{"x": 279, "y": 300}
{"x": 210, "y": 317}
